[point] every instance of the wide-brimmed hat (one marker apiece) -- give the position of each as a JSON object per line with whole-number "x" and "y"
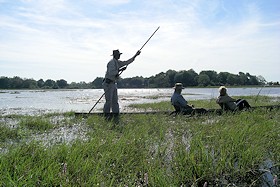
{"x": 116, "y": 52}
{"x": 178, "y": 85}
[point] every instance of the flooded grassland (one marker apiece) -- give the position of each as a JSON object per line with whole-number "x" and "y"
{"x": 240, "y": 149}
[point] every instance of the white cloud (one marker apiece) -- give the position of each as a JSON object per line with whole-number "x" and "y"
{"x": 80, "y": 36}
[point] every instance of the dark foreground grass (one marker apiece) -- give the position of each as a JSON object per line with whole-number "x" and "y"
{"x": 239, "y": 149}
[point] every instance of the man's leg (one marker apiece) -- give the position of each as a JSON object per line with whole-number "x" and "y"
{"x": 108, "y": 97}
{"x": 200, "y": 110}
{"x": 238, "y": 100}
{"x": 246, "y": 104}
{"x": 115, "y": 103}
{"x": 187, "y": 110}
{"x": 242, "y": 103}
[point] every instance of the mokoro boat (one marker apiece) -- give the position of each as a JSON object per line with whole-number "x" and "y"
{"x": 208, "y": 111}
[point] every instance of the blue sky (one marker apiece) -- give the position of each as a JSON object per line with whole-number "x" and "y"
{"x": 73, "y": 39}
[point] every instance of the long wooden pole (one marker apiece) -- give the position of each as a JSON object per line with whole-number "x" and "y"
{"x": 97, "y": 102}
{"x": 149, "y": 39}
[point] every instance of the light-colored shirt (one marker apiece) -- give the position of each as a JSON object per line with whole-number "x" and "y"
{"x": 113, "y": 68}
{"x": 229, "y": 101}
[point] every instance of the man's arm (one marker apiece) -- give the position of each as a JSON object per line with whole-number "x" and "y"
{"x": 181, "y": 100}
{"x": 123, "y": 63}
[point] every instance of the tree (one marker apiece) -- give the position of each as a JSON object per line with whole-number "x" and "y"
{"x": 40, "y": 83}
{"x": 97, "y": 83}
{"x": 161, "y": 80}
{"x": 261, "y": 80}
{"x": 83, "y": 85}
{"x": 203, "y": 79}
{"x": 222, "y": 78}
{"x": 253, "y": 80}
{"x": 4, "y": 83}
{"x": 188, "y": 78}
{"x": 16, "y": 82}
{"x": 213, "y": 76}
{"x": 73, "y": 85}
{"x": 194, "y": 76}
{"x": 49, "y": 84}
{"x": 29, "y": 84}
{"x": 61, "y": 83}
{"x": 179, "y": 77}
{"x": 136, "y": 82}
{"x": 232, "y": 79}
{"x": 171, "y": 75}
{"x": 243, "y": 79}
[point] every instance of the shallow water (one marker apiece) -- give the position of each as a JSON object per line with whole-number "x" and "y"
{"x": 46, "y": 101}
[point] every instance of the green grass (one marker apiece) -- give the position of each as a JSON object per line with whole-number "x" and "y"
{"x": 36, "y": 123}
{"x": 7, "y": 133}
{"x": 157, "y": 150}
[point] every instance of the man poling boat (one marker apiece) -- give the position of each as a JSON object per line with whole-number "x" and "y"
{"x": 115, "y": 67}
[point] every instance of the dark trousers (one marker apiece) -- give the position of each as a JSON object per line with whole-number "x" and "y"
{"x": 242, "y": 103}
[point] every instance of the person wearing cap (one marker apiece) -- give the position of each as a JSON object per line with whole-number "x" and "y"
{"x": 114, "y": 68}
{"x": 228, "y": 103}
{"x": 180, "y": 104}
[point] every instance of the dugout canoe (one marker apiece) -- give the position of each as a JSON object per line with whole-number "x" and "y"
{"x": 209, "y": 111}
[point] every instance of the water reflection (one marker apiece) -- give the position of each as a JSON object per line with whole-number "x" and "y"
{"x": 44, "y": 101}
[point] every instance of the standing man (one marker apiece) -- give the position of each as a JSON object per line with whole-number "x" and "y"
{"x": 114, "y": 68}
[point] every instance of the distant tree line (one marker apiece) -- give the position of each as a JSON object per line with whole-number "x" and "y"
{"x": 190, "y": 78}
{"x": 19, "y": 83}
{"x": 162, "y": 80}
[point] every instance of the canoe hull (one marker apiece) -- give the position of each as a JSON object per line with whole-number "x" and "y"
{"x": 216, "y": 111}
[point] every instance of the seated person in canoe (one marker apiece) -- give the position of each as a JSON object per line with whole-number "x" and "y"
{"x": 228, "y": 103}
{"x": 180, "y": 104}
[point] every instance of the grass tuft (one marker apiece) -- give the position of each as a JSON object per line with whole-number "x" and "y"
{"x": 36, "y": 123}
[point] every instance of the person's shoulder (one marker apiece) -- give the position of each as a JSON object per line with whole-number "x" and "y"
{"x": 112, "y": 61}
{"x": 175, "y": 93}
{"x": 224, "y": 96}
{"x": 227, "y": 96}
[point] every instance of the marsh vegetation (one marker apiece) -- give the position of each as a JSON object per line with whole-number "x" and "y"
{"x": 240, "y": 149}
